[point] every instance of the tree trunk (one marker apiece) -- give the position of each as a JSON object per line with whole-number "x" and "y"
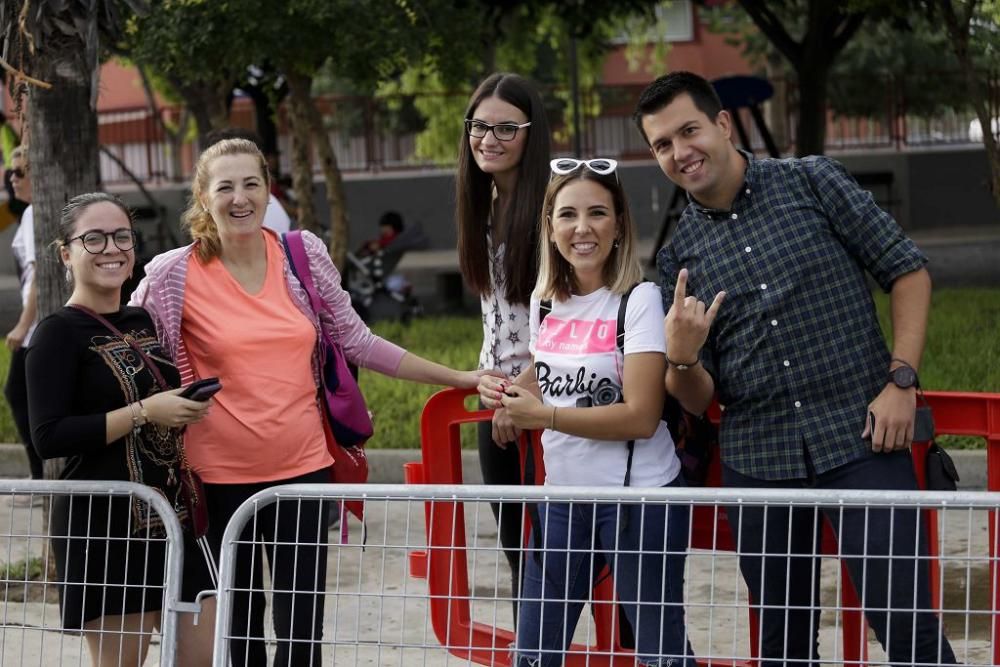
{"x": 64, "y": 163}
{"x": 776, "y": 109}
{"x": 302, "y": 175}
{"x": 207, "y": 102}
{"x": 331, "y": 174}
{"x": 810, "y": 135}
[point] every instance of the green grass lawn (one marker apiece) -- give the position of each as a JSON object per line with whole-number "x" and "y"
{"x": 962, "y": 354}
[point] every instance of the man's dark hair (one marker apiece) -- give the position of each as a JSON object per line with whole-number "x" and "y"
{"x": 669, "y": 87}
{"x": 391, "y": 219}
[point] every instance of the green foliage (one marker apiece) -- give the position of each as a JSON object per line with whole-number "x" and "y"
{"x": 451, "y": 341}
{"x": 32, "y": 569}
{"x": 533, "y": 39}
{"x": 8, "y": 431}
{"x": 195, "y": 44}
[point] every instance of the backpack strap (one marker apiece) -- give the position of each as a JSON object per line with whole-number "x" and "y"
{"x": 620, "y": 341}
{"x": 544, "y": 308}
{"x": 622, "y": 308}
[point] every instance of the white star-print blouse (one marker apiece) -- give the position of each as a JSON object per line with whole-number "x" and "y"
{"x": 505, "y": 324}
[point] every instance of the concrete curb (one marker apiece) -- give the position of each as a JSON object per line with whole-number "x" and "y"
{"x": 386, "y": 465}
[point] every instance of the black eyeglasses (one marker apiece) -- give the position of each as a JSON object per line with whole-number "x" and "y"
{"x": 502, "y": 131}
{"x": 20, "y": 173}
{"x": 95, "y": 242}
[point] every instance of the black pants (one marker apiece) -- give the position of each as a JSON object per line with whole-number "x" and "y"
{"x": 16, "y": 392}
{"x": 503, "y": 467}
{"x": 294, "y": 534}
{"x": 879, "y": 546}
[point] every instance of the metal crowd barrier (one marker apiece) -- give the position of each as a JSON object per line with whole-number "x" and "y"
{"x": 31, "y": 624}
{"x": 376, "y": 613}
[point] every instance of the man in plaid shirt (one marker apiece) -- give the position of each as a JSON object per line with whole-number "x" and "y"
{"x": 767, "y": 303}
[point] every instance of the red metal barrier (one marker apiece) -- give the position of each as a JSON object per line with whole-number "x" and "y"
{"x": 445, "y": 567}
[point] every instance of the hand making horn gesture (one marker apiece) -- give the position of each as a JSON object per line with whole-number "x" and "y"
{"x": 687, "y": 323}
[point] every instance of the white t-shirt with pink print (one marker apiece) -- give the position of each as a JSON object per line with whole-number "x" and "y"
{"x": 575, "y": 351}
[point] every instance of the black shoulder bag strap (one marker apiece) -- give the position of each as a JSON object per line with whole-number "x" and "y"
{"x": 130, "y": 341}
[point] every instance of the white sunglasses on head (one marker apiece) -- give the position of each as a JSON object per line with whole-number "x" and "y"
{"x": 598, "y": 165}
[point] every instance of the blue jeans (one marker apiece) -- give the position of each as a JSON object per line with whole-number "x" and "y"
{"x": 646, "y": 553}
{"x": 879, "y": 547}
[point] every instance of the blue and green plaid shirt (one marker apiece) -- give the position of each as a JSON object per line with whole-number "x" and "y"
{"x": 796, "y": 350}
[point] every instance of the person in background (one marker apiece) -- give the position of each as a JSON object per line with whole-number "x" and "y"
{"x": 8, "y": 143}
{"x": 95, "y": 401}
{"x": 503, "y": 168}
{"x": 390, "y": 224}
{"x": 19, "y": 337}
{"x": 229, "y": 306}
{"x": 589, "y": 266}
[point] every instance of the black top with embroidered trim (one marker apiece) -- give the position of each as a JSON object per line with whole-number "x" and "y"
{"x": 77, "y": 372}
{"x": 796, "y": 351}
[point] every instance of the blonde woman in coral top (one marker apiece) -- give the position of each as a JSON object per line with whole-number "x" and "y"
{"x": 229, "y": 306}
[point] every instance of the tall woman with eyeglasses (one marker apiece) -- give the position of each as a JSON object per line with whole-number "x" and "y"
{"x": 503, "y": 167}
{"x": 95, "y": 400}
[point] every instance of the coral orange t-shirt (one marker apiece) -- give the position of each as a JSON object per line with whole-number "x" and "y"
{"x": 265, "y": 424}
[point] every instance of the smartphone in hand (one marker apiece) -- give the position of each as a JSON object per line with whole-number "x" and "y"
{"x": 201, "y": 390}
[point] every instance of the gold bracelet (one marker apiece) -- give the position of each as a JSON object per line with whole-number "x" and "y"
{"x": 143, "y": 413}
{"x": 135, "y": 418}
{"x": 552, "y": 422}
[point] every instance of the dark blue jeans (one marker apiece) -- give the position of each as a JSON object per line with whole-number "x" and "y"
{"x": 646, "y": 552}
{"x": 780, "y": 565}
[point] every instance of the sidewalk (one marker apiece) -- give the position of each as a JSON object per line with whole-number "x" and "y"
{"x": 386, "y": 466}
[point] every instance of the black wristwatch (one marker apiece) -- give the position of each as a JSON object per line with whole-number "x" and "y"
{"x": 904, "y": 377}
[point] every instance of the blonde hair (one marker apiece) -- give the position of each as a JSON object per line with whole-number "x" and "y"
{"x": 19, "y": 152}
{"x": 197, "y": 219}
{"x": 621, "y": 269}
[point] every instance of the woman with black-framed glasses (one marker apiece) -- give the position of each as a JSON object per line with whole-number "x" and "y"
{"x": 115, "y": 414}
{"x": 503, "y": 168}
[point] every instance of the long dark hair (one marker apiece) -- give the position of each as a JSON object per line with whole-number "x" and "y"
{"x": 521, "y": 208}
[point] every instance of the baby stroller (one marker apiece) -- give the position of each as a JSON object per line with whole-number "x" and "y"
{"x": 376, "y": 292}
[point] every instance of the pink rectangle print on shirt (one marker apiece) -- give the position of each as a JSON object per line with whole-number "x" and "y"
{"x": 576, "y": 336}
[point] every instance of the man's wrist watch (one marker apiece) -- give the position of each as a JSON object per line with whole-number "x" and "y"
{"x": 904, "y": 377}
